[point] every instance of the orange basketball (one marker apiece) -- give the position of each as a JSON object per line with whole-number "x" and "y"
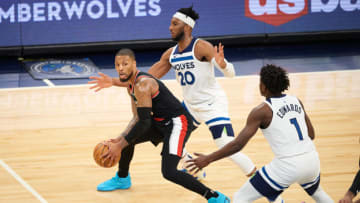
{"x": 99, "y": 150}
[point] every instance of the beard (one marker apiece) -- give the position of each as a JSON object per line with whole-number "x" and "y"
{"x": 126, "y": 79}
{"x": 179, "y": 37}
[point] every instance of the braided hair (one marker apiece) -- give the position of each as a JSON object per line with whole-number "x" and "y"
{"x": 189, "y": 12}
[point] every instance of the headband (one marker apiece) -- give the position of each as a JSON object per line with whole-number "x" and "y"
{"x": 186, "y": 19}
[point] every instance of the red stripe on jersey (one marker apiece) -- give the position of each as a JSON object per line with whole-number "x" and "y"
{"x": 142, "y": 76}
{"x": 156, "y": 94}
{"x": 182, "y": 135}
{"x": 159, "y": 119}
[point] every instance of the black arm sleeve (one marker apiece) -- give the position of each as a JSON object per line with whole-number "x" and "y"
{"x": 355, "y": 187}
{"x": 144, "y": 123}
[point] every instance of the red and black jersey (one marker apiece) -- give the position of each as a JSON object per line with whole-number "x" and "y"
{"x": 164, "y": 104}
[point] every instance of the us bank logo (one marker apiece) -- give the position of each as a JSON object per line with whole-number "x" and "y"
{"x": 278, "y": 12}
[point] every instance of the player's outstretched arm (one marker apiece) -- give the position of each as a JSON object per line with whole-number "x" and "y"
{"x": 104, "y": 81}
{"x": 160, "y": 68}
{"x": 254, "y": 120}
{"x": 214, "y": 55}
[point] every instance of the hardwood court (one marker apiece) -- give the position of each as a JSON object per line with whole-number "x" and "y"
{"x": 47, "y": 136}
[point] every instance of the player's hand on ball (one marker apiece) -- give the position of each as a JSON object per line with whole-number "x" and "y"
{"x": 114, "y": 152}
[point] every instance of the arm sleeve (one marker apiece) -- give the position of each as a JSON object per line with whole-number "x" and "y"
{"x": 355, "y": 187}
{"x": 228, "y": 71}
{"x": 141, "y": 126}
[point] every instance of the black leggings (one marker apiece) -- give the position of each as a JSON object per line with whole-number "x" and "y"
{"x": 169, "y": 164}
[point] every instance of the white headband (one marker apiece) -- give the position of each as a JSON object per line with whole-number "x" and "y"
{"x": 186, "y": 19}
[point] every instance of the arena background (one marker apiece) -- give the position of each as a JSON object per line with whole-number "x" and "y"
{"x": 316, "y": 41}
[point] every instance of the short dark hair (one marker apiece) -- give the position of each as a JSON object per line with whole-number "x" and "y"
{"x": 189, "y": 12}
{"x": 126, "y": 52}
{"x": 274, "y": 78}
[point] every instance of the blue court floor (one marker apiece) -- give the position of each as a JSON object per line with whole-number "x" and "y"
{"x": 247, "y": 61}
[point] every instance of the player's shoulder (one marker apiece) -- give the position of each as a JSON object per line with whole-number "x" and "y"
{"x": 262, "y": 107}
{"x": 167, "y": 53}
{"x": 201, "y": 43}
{"x": 145, "y": 83}
{"x": 261, "y": 110}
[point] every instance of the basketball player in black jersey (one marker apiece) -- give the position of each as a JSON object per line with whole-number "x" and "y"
{"x": 158, "y": 117}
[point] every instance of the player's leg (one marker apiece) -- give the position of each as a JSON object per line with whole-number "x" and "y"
{"x": 266, "y": 183}
{"x": 316, "y": 192}
{"x": 223, "y": 133}
{"x": 174, "y": 143}
{"x": 320, "y": 196}
{"x": 246, "y": 194}
{"x": 308, "y": 166}
{"x": 122, "y": 179}
{"x": 314, "y": 189}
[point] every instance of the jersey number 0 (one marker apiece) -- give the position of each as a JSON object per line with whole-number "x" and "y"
{"x": 187, "y": 78}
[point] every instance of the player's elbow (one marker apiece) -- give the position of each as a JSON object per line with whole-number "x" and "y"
{"x": 311, "y": 133}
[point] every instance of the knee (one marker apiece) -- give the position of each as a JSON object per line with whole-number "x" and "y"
{"x": 169, "y": 173}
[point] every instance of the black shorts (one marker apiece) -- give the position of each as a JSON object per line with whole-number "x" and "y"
{"x": 173, "y": 132}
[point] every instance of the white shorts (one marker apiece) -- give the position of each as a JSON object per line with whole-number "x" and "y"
{"x": 211, "y": 113}
{"x": 279, "y": 174}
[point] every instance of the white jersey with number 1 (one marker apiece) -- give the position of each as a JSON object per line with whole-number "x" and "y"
{"x": 287, "y": 133}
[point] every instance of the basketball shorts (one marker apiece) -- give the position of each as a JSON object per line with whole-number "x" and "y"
{"x": 279, "y": 174}
{"x": 211, "y": 113}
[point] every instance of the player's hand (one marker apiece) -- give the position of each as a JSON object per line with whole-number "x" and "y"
{"x": 114, "y": 151}
{"x": 219, "y": 55}
{"x": 198, "y": 163}
{"x": 346, "y": 199}
{"x": 103, "y": 81}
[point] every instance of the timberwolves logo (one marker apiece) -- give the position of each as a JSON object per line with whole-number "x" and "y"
{"x": 61, "y": 69}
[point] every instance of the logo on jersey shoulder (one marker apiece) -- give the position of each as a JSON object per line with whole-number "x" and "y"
{"x": 275, "y": 12}
{"x": 182, "y": 66}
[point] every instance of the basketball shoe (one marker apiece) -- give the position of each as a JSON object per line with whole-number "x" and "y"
{"x": 115, "y": 183}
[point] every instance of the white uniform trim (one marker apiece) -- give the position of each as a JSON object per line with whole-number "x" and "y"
{"x": 175, "y": 135}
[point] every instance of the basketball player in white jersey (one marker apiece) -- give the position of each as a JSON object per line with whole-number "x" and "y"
{"x": 193, "y": 61}
{"x": 288, "y": 129}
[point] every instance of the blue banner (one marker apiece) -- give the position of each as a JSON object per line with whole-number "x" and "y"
{"x": 38, "y": 22}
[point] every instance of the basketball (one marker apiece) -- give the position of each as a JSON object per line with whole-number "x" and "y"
{"x": 99, "y": 150}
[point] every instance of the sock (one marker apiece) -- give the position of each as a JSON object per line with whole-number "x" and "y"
{"x": 209, "y": 194}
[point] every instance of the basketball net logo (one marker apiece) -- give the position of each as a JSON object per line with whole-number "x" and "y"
{"x": 275, "y": 12}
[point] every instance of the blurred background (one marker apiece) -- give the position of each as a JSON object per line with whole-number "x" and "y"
{"x": 254, "y": 32}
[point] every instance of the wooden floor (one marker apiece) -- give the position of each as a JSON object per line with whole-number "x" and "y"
{"x": 47, "y": 136}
